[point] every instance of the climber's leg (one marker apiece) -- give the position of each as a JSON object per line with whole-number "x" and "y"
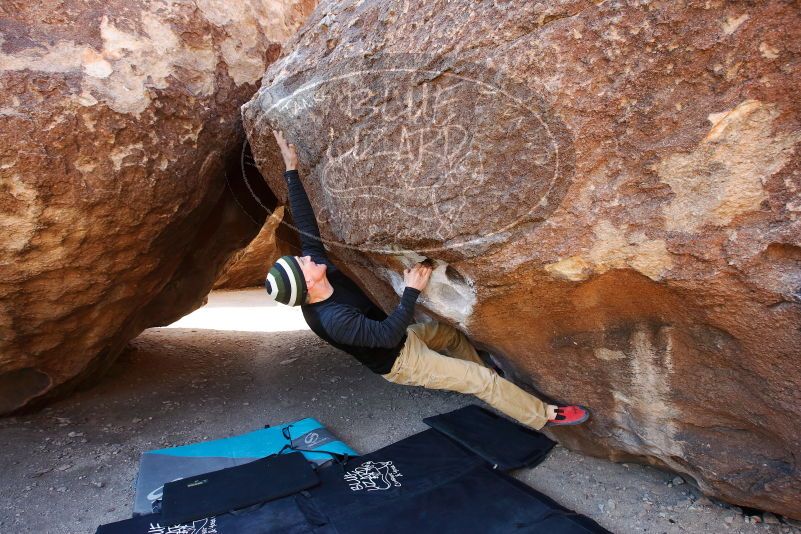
{"x": 418, "y": 365}
{"x": 442, "y": 337}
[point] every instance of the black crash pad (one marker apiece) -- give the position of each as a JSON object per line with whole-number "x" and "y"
{"x": 504, "y": 444}
{"x": 426, "y": 483}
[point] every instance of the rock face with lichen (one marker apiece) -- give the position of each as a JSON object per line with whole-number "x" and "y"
{"x": 611, "y": 193}
{"x": 118, "y": 118}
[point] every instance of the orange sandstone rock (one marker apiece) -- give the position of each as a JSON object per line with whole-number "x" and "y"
{"x": 611, "y": 193}
{"x": 118, "y": 118}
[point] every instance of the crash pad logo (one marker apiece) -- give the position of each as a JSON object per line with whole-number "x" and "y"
{"x": 311, "y": 439}
{"x": 373, "y": 476}
{"x": 202, "y": 526}
{"x": 411, "y": 153}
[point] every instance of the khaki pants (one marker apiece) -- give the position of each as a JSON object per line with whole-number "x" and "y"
{"x": 421, "y": 364}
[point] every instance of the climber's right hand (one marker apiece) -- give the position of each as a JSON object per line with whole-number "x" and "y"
{"x": 288, "y": 151}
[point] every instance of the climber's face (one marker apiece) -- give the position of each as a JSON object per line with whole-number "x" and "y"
{"x": 313, "y": 272}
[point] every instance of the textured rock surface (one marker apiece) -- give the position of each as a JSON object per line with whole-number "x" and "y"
{"x": 118, "y": 118}
{"x": 248, "y": 266}
{"x": 612, "y": 195}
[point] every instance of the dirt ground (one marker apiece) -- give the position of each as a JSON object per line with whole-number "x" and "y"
{"x": 238, "y": 364}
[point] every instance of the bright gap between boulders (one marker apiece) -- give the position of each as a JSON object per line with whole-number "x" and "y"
{"x": 246, "y": 310}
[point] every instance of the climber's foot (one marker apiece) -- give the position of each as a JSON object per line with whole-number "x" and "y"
{"x": 567, "y": 415}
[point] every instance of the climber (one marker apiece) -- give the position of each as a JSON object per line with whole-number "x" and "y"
{"x": 341, "y": 314}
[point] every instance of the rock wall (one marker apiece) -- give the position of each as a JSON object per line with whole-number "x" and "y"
{"x": 611, "y": 193}
{"x": 248, "y": 267}
{"x": 118, "y": 118}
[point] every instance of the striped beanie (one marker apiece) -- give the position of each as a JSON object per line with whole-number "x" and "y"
{"x": 285, "y": 282}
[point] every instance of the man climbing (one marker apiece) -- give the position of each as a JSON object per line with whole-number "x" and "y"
{"x": 340, "y": 313}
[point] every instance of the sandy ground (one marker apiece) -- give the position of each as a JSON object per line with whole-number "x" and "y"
{"x": 238, "y": 364}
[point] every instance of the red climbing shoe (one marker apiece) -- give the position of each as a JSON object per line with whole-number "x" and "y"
{"x": 569, "y": 415}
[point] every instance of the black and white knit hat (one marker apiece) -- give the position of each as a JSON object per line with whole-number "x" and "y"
{"x": 285, "y": 282}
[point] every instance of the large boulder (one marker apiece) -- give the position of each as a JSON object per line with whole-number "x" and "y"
{"x": 118, "y": 118}
{"x": 611, "y": 193}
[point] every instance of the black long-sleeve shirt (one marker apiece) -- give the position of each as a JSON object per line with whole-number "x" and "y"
{"x": 348, "y": 319}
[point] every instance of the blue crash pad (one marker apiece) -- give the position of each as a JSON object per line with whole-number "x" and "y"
{"x": 165, "y": 465}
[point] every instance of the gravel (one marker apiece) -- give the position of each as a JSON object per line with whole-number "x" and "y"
{"x": 70, "y": 467}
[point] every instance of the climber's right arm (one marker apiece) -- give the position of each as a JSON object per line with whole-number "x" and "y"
{"x": 299, "y": 205}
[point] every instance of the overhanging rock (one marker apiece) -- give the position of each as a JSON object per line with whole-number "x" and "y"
{"x": 612, "y": 189}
